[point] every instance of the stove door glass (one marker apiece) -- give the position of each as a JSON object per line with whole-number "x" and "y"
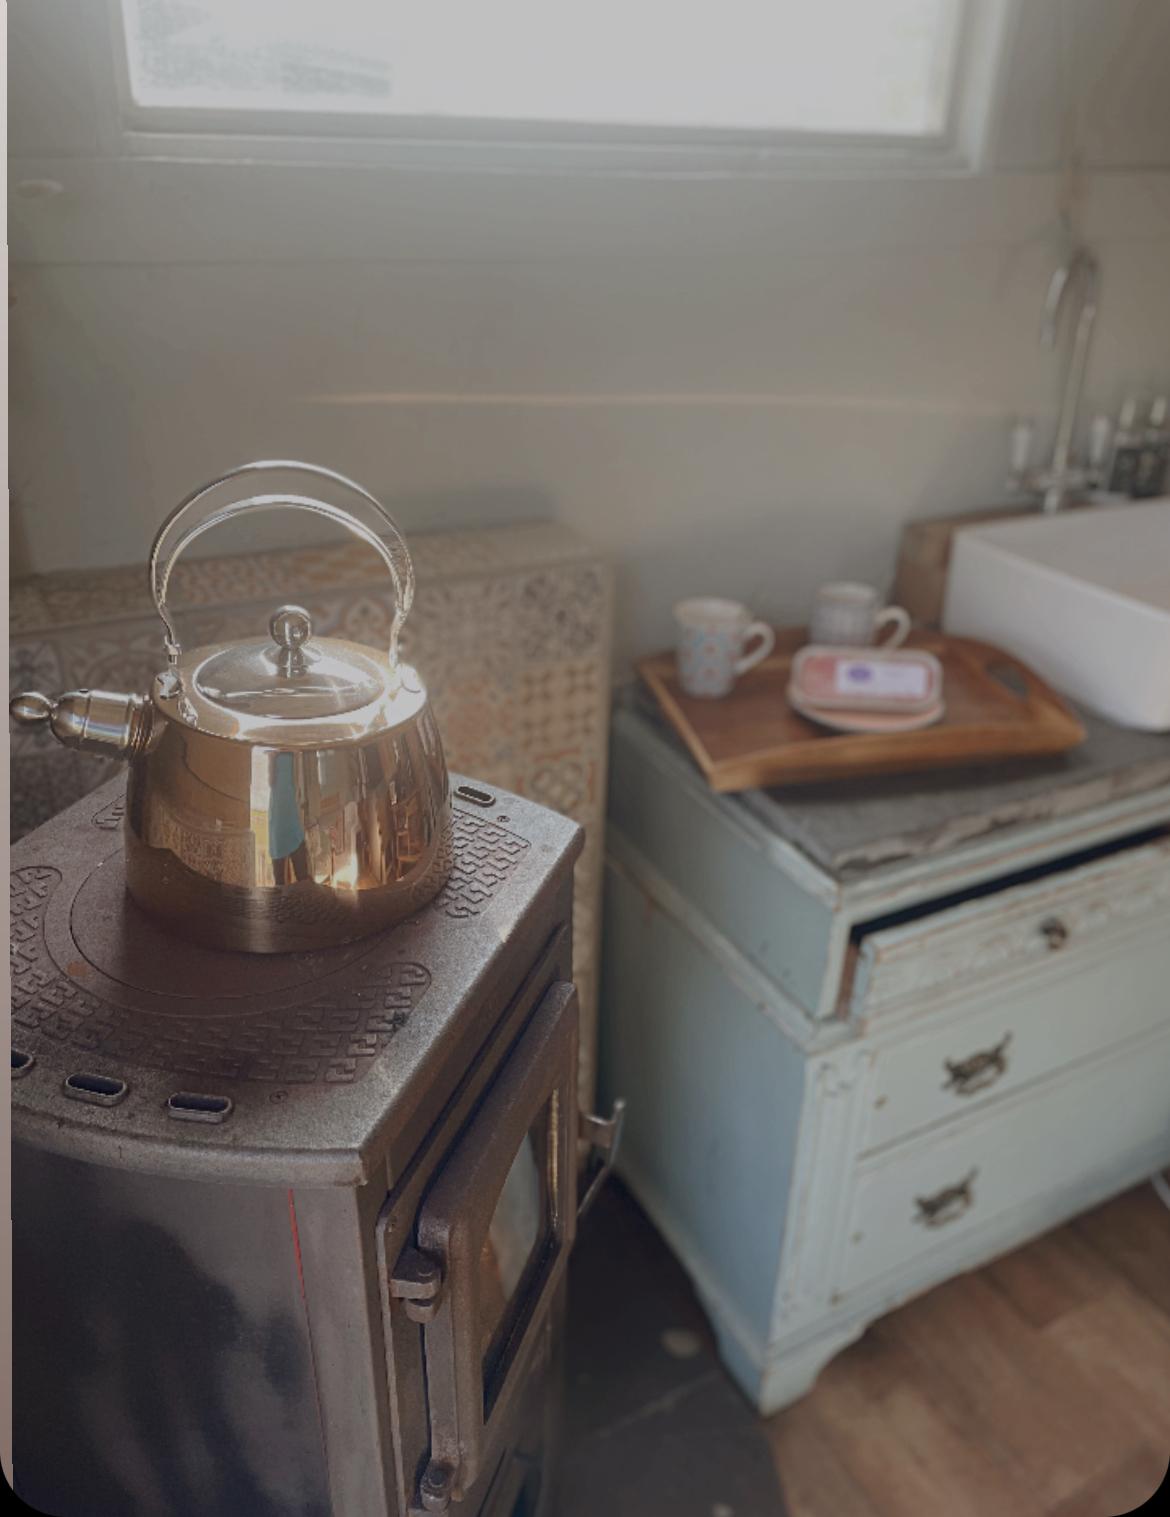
{"x": 516, "y": 1241}
{"x": 499, "y": 1221}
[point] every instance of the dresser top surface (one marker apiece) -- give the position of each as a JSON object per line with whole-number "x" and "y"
{"x": 850, "y": 829}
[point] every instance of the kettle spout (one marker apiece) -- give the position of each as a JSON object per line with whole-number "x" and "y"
{"x": 95, "y": 721}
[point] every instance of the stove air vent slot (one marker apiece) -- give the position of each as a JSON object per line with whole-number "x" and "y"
{"x": 21, "y": 1062}
{"x": 99, "y": 1090}
{"x": 187, "y": 1106}
{"x": 475, "y": 796}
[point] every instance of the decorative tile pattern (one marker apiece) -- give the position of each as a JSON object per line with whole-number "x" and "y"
{"x": 330, "y": 1041}
{"x": 510, "y": 630}
{"x": 485, "y": 855}
{"x": 70, "y": 597}
{"x": 557, "y": 614}
{"x": 109, "y": 817}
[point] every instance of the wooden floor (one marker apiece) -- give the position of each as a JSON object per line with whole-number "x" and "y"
{"x": 1036, "y": 1387}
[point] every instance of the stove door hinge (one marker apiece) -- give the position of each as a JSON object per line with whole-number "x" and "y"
{"x": 417, "y": 1282}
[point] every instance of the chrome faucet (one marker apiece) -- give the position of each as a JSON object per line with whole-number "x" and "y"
{"x": 1064, "y": 478}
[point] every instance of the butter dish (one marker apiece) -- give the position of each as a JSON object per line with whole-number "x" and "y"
{"x": 868, "y": 721}
{"x": 906, "y": 682}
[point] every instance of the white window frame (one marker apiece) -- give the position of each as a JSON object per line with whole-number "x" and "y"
{"x": 985, "y": 30}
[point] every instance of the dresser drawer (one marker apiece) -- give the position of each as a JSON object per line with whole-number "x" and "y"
{"x": 1020, "y": 929}
{"x": 1080, "y": 1124}
{"x": 1002, "y": 1041}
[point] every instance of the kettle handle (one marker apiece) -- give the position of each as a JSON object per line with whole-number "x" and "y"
{"x": 165, "y": 549}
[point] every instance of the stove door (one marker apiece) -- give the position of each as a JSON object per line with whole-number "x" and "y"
{"x": 499, "y": 1222}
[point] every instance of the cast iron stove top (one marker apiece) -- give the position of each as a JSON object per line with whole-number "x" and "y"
{"x": 122, "y": 1032}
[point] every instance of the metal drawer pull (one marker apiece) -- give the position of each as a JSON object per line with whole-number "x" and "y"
{"x": 1054, "y": 931}
{"x": 967, "y": 1076}
{"x": 946, "y": 1205}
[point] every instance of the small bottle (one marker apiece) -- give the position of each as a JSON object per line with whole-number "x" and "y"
{"x": 1020, "y": 453}
{"x": 1121, "y": 475}
{"x": 1154, "y": 454}
{"x": 1100, "y": 439}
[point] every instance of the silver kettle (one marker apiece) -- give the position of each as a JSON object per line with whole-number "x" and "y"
{"x": 288, "y": 792}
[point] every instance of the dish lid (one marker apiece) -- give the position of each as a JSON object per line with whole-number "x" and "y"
{"x": 289, "y": 678}
{"x": 289, "y": 689}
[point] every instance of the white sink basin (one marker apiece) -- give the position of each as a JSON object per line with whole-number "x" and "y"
{"x": 1082, "y": 596}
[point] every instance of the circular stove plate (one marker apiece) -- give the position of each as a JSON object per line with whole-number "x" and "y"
{"x": 126, "y": 945}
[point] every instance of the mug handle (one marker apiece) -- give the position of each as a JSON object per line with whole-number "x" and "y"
{"x": 896, "y": 617}
{"x": 767, "y": 642}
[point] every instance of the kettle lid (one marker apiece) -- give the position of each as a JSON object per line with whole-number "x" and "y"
{"x": 290, "y": 678}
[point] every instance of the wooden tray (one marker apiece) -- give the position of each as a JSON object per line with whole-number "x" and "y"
{"x": 996, "y": 708}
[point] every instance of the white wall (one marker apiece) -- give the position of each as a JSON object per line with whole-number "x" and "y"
{"x": 734, "y": 385}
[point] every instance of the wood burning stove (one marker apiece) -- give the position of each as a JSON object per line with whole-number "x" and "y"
{"x": 290, "y": 1232}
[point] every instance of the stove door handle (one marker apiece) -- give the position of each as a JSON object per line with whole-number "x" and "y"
{"x": 603, "y": 1135}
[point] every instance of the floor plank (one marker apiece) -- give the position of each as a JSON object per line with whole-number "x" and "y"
{"x": 907, "y": 1457}
{"x": 815, "y": 1478}
{"x": 1124, "y": 1488}
{"x": 1050, "y": 1276}
{"x": 1022, "y": 1390}
{"x": 1038, "y": 1386}
{"x": 1125, "y": 1350}
{"x": 1132, "y": 1233}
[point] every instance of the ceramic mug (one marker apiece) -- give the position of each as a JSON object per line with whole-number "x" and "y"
{"x": 849, "y": 615}
{"x": 711, "y": 638}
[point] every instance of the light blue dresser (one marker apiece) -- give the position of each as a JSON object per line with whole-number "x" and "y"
{"x": 873, "y": 1036}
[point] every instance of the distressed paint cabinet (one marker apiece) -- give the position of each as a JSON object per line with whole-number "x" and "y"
{"x": 872, "y": 1039}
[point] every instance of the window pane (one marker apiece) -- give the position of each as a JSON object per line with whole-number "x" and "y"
{"x": 829, "y": 66}
{"x": 320, "y": 55}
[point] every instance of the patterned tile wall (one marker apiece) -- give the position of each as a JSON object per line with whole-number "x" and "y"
{"x": 511, "y": 630}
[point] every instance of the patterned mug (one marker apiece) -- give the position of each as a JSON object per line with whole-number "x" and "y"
{"x": 711, "y": 638}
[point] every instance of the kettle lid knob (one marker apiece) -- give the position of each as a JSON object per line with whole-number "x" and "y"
{"x": 290, "y": 626}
